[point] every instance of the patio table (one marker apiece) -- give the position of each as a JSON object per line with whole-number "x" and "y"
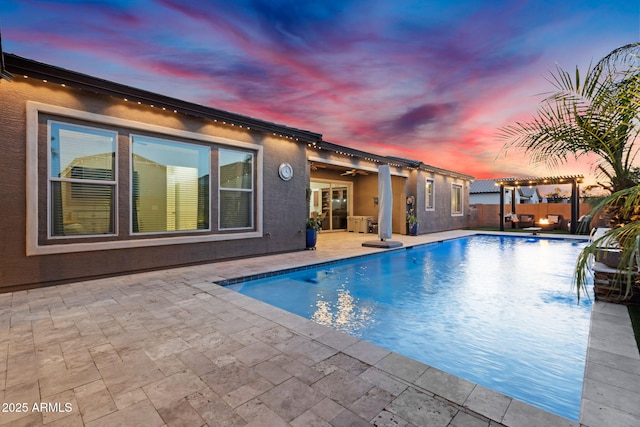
{"x": 534, "y": 230}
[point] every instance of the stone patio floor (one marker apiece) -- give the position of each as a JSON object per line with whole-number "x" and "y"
{"x": 172, "y": 348}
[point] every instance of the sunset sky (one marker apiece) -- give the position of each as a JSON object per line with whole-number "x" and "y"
{"x": 426, "y": 80}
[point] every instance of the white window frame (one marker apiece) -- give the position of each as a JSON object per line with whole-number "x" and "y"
{"x": 143, "y": 233}
{"x": 50, "y": 179}
{"x": 429, "y": 198}
{"x": 242, "y": 190}
{"x": 34, "y": 109}
{"x": 460, "y": 188}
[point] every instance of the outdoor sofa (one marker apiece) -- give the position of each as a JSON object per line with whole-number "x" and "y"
{"x": 556, "y": 220}
{"x": 526, "y": 220}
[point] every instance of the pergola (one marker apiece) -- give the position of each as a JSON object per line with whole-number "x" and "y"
{"x": 514, "y": 183}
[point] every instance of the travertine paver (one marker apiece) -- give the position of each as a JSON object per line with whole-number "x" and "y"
{"x": 520, "y": 414}
{"x": 94, "y": 400}
{"x": 291, "y": 398}
{"x": 402, "y": 367}
{"x": 446, "y": 385}
{"x": 343, "y": 387}
{"x": 422, "y": 409}
{"x": 180, "y": 413}
{"x": 611, "y": 390}
{"x": 488, "y": 402}
{"x": 372, "y": 403}
{"x": 173, "y": 348}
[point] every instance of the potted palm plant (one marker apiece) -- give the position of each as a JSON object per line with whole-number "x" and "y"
{"x": 313, "y": 226}
{"x": 620, "y": 282}
{"x": 412, "y": 222}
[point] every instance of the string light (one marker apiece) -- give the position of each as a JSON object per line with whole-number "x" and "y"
{"x": 313, "y": 144}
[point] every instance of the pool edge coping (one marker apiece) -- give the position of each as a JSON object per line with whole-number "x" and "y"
{"x": 516, "y": 411}
{"x": 531, "y": 410}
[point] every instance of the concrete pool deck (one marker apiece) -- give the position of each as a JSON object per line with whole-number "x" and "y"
{"x": 172, "y": 348}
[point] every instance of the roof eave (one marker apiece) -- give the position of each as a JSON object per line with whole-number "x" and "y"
{"x": 33, "y": 69}
{"x": 341, "y": 149}
{"x": 448, "y": 172}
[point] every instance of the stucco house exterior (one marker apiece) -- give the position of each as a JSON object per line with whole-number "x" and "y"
{"x": 100, "y": 179}
{"x": 485, "y": 191}
{"x": 530, "y": 195}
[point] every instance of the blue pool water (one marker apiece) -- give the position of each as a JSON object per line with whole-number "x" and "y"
{"x": 498, "y": 311}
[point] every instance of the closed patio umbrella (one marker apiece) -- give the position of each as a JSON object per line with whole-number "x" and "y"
{"x": 385, "y": 209}
{"x": 385, "y": 202}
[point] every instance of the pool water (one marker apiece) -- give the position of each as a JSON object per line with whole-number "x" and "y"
{"x": 497, "y": 311}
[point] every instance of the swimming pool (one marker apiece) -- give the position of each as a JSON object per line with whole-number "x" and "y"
{"x": 498, "y": 311}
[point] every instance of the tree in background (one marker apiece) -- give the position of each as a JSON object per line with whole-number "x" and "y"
{"x": 592, "y": 115}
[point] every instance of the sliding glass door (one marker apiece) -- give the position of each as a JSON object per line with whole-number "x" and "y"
{"x": 331, "y": 202}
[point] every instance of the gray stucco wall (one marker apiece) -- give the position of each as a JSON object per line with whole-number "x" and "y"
{"x": 440, "y": 218}
{"x": 284, "y": 202}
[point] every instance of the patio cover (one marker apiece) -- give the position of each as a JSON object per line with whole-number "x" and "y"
{"x": 574, "y": 180}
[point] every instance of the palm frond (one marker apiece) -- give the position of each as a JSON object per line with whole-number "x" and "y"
{"x": 595, "y": 113}
{"x": 627, "y": 270}
{"x": 626, "y": 237}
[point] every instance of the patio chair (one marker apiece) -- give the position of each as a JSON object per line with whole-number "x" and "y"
{"x": 510, "y": 219}
{"x": 608, "y": 248}
{"x": 599, "y": 232}
{"x": 556, "y": 220}
{"x": 526, "y": 220}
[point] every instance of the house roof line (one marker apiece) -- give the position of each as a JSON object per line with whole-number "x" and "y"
{"x": 20, "y": 66}
{"x": 354, "y": 152}
{"x": 430, "y": 168}
{"x": 391, "y": 160}
{"x": 419, "y": 164}
{"x": 12, "y": 65}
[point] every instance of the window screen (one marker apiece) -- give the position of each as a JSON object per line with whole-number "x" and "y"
{"x": 82, "y": 180}
{"x": 236, "y": 189}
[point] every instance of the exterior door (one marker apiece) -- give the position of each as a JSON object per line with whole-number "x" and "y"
{"x": 331, "y": 201}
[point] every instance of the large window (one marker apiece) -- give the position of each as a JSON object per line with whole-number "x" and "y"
{"x": 82, "y": 180}
{"x": 170, "y": 186}
{"x": 236, "y": 189}
{"x": 456, "y": 200}
{"x": 428, "y": 195}
{"x": 109, "y": 183}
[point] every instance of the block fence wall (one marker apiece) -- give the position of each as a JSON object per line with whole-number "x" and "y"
{"x": 489, "y": 215}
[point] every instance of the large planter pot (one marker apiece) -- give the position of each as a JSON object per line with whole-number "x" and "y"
{"x": 616, "y": 293}
{"x": 312, "y": 238}
{"x": 413, "y": 229}
{"x": 611, "y": 287}
{"x": 609, "y": 257}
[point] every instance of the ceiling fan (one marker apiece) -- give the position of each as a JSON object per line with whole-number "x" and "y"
{"x": 314, "y": 166}
{"x": 354, "y": 172}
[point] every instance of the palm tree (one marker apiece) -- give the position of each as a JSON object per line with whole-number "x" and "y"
{"x": 597, "y": 114}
